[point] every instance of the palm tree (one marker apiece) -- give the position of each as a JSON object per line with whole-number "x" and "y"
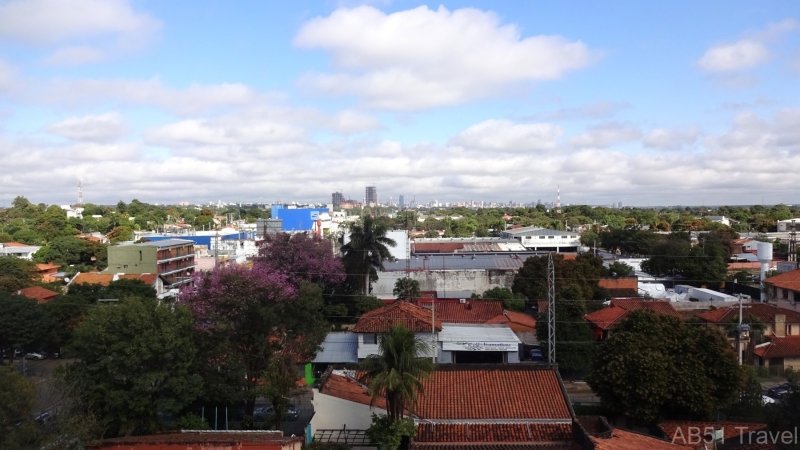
{"x": 367, "y": 250}
{"x": 406, "y": 289}
{"x": 397, "y": 373}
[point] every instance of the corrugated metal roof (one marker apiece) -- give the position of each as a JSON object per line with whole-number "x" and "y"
{"x": 469, "y": 332}
{"x": 338, "y": 347}
{"x": 459, "y": 262}
{"x": 538, "y": 231}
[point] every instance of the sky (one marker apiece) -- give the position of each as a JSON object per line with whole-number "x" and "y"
{"x": 644, "y": 103}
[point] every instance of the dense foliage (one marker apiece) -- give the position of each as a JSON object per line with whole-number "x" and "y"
{"x": 655, "y": 367}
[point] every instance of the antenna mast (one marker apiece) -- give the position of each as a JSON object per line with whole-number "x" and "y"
{"x": 558, "y": 200}
{"x": 551, "y": 310}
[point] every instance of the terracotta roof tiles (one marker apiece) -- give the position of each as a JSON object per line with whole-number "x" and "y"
{"x": 473, "y": 311}
{"x": 104, "y": 279}
{"x": 411, "y": 316}
{"x": 494, "y": 432}
{"x": 763, "y": 311}
{"x": 495, "y": 446}
{"x": 513, "y": 317}
{"x": 627, "y": 440}
{"x": 347, "y": 388}
{"x": 620, "y": 287}
{"x": 197, "y": 438}
{"x": 780, "y": 347}
{"x": 787, "y": 280}
{"x": 37, "y": 293}
{"x": 611, "y": 315}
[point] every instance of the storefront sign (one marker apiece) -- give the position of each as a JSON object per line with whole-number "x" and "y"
{"x": 478, "y": 346}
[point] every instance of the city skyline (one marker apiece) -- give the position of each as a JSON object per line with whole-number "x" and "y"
{"x": 638, "y": 103}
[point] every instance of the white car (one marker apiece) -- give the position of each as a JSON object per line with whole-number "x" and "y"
{"x": 767, "y": 400}
{"x": 35, "y": 356}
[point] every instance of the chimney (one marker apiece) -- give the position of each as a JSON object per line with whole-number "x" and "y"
{"x": 780, "y": 325}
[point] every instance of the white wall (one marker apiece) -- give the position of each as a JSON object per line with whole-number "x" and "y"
{"x": 335, "y": 413}
{"x": 364, "y": 350}
{"x": 477, "y": 281}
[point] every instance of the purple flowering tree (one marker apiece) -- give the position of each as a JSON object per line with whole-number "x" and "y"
{"x": 302, "y": 257}
{"x": 246, "y": 320}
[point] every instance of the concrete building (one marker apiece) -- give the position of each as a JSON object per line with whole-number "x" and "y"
{"x": 18, "y": 250}
{"x": 337, "y": 198}
{"x": 704, "y": 295}
{"x": 477, "y": 343}
{"x": 785, "y": 226}
{"x": 544, "y": 239}
{"x": 173, "y": 259}
{"x": 371, "y": 197}
{"x": 720, "y": 219}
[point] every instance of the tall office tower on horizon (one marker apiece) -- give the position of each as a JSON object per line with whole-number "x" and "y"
{"x": 371, "y": 199}
{"x": 402, "y": 201}
{"x": 337, "y": 198}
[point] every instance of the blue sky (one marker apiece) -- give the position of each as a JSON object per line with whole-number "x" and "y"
{"x": 639, "y": 102}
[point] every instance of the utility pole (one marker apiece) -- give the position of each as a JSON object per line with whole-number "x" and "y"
{"x": 551, "y": 310}
{"x": 216, "y": 250}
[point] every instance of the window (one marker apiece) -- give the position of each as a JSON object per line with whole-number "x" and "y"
{"x": 785, "y": 293}
{"x": 541, "y": 237}
{"x": 140, "y": 255}
{"x": 124, "y": 266}
{"x": 551, "y": 237}
{"x": 371, "y": 338}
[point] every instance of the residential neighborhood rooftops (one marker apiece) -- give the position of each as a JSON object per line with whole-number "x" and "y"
{"x": 508, "y": 261}
{"x": 628, "y": 440}
{"x": 508, "y": 317}
{"x": 611, "y": 315}
{"x": 763, "y": 311}
{"x": 788, "y": 280}
{"x": 411, "y": 316}
{"x": 472, "y": 311}
{"x": 780, "y": 347}
{"x": 494, "y": 432}
{"x": 37, "y": 293}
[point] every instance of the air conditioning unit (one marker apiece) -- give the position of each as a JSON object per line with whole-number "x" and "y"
{"x": 462, "y": 300}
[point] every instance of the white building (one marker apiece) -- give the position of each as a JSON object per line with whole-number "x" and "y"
{"x": 477, "y": 343}
{"x": 720, "y": 219}
{"x": 544, "y": 239}
{"x": 75, "y": 212}
{"x": 785, "y": 226}
{"x": 19, "y": 251}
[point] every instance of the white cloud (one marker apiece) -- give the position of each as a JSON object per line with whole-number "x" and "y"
{"x": 739, "y": 55}
{"x": 67, "y": 56}
{"x": 421, "y": 58}
{"x": 745, "y": 53}
{"x": 223, "y": 132}
{"x": 606, "y": 135}
{"x": 596, "y": 110}
{"x": 47, "y": 22}
{"x": 666, "y": 139}
{"x": 505, "y": 136}
{"x": 6, "y": 74}
{"x": 95, "y": 128}
{"x": 195, "y": 99}
{"x": 350, "y": 121}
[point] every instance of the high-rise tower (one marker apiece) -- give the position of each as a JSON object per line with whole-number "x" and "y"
{"x": 371, "y": 198}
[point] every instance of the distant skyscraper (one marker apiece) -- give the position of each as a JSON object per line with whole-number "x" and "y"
{"x": 619, "y": 205}
{"x": 402, "y": 200}
{"x": 372, "y": 196}
{"x": 338, "y": 198}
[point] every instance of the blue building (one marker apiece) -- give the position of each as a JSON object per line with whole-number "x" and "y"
{"x": 300, "y": 219}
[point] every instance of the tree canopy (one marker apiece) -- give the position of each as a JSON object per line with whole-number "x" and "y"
{"x": 366, "y": 251}
{"x": 656, "y": 367}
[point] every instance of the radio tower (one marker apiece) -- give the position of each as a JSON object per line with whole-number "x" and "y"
{"x": 558, "y": 200}
{"x": 793, "y": 243}
{"x": 80, "y": 193}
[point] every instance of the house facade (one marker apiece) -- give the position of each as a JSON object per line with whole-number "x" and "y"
{"x": 784, "y": 286}
{"x": 544, "y": 239}
{"x": 172, "y": 259}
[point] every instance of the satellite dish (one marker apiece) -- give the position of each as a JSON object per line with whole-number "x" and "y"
{"x": 66, "y": 279}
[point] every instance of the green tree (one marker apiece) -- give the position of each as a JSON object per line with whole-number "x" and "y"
{"x": 136, "y": 359}
{"x": 120, "y": 234}
{"x": 367, "y": 303}
{"x": 620, "y": 269}
{"x": 584, "y": 271}
{"x": 574, "y": 339}
{"x": 365, "y": 252}
{"x": 16, "y": 273}
{"x": 406, "y": 289}
{"x": 511, "y": 301}
{"x": 23, "y": 323}
{"x": 17, "y": 405}
{"x": 655, "y": 367}
{"x": 396, "y": 373}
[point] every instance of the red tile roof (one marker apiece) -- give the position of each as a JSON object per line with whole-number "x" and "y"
{"x": 780, "y": 347}
{"x": 611, "y": 315}
{"x": 680, "y": 432}
{"x": 437, "y": 247}
{"x": 628, "y": 440}
{"x": 15, "y": 244}
{"x": 494, "y": 432}
{"x": 200, "y": 437}
{"x": 620, "y": 287}
{"x": 473, "y": 311}
{"x": 787, "y": 280}
{"x": 514, "y": 317}
{"x": 451, "y": 393}
{"x": 763, "y": 311}
{"x": 495, "y": 446}
{"x": 411, "y": 316}
{"x": 38, "y": 293}
{"x": 47, "y": 266}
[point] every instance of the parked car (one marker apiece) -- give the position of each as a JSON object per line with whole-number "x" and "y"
{"x": 35, "y": 355}
{"x": 536, "y": 355}
{"x": 780, "y": 391}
